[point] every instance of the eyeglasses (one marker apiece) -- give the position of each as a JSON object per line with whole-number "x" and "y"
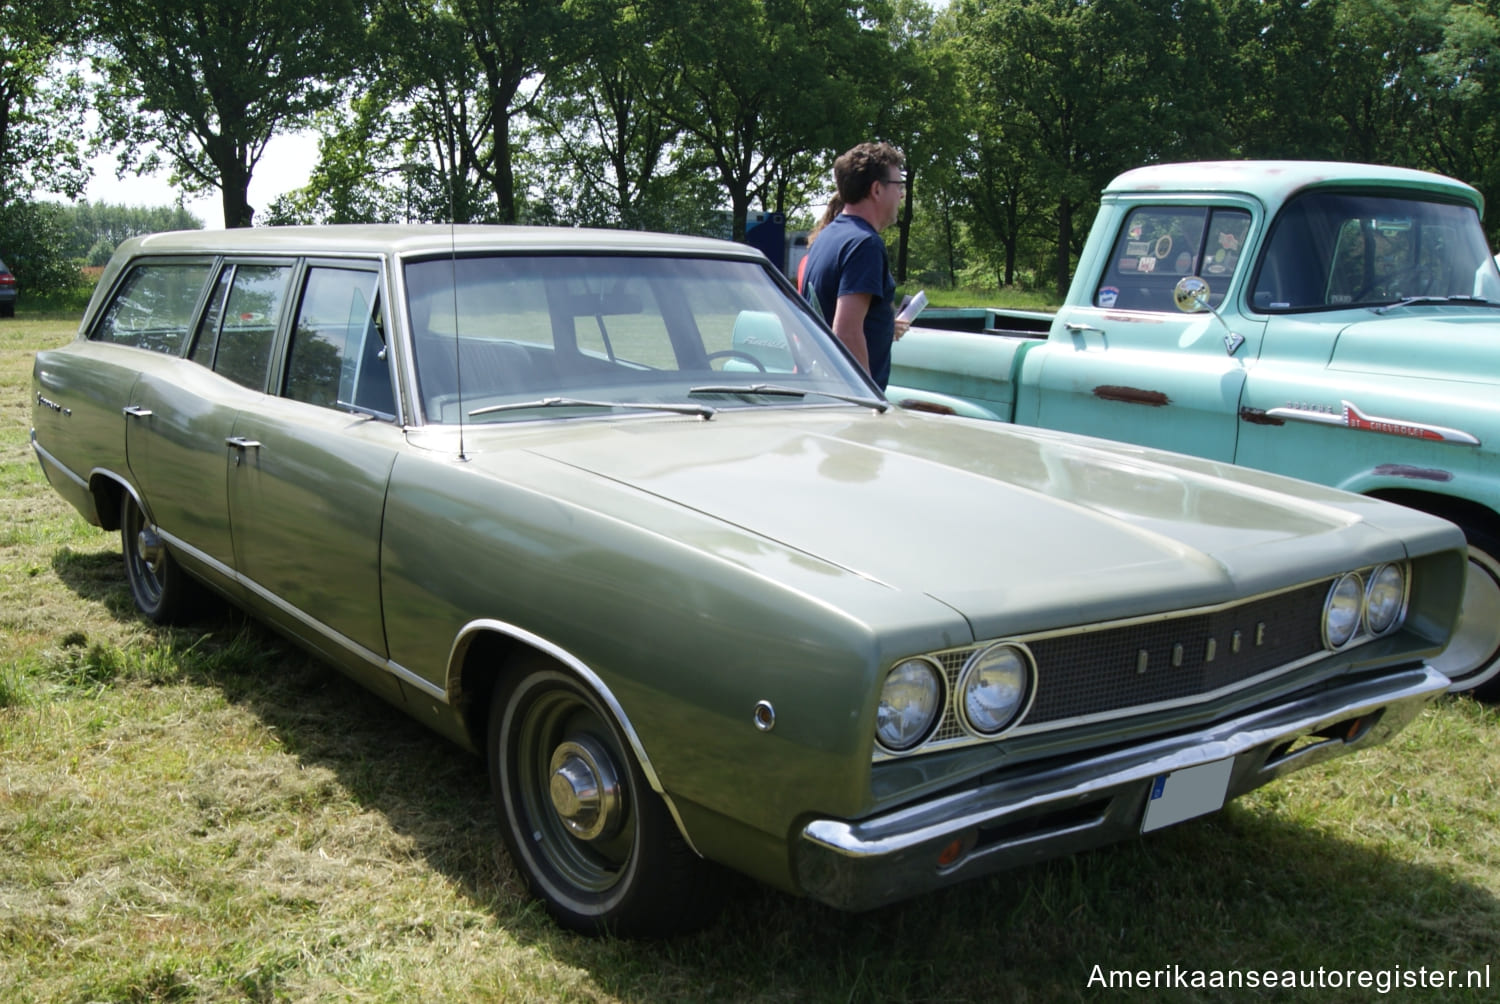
{"x": 900, "y": 182}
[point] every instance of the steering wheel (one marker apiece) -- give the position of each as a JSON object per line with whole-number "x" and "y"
{"x": 737, "y": 354}
{"x": 1394, "y": 280}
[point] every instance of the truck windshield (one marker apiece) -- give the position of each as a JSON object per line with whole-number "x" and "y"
{"x": 1335, "y": 250}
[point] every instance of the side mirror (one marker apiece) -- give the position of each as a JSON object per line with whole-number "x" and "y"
{"x": 1191, "y": 294}
{"x": 1191, "y": 297}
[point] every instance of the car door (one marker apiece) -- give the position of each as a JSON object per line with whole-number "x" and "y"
{"x": 180, "y": 414}
{"x": 309, "y": 465}
{"x": 1133, "y": 367}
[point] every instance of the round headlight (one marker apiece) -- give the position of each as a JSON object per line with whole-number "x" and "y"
{"x": 994, "y": 688}
{"x": 1341, "y": 610}
{"x": 1384, "y": 597}
{"x": 909, "y": 704}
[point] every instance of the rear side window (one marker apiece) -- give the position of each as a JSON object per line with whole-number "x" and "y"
{"x": 243, "y": 328}
{"x": 153, "y": 308}
{"x": 338, "y": 357}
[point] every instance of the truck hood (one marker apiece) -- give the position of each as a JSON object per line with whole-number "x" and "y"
{"x": 1457, "y": 344}
{"x": 1001, "y": 524}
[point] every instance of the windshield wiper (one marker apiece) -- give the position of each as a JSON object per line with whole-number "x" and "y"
{"x": 777, "y": 390}
{"x": 701, "y": 410}
{"x": 1413, "y": 301}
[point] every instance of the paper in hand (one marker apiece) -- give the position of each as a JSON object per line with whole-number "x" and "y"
{"x": 912, "y": 306}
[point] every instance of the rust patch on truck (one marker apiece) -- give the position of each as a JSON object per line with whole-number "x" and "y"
{"x": 1132, "y": 395}
{"x": 1413, "y": 473}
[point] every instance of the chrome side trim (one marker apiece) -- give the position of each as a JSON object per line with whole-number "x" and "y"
{"x": 1350, "y": 417}
{"x": 47, "y": 458}
{"x": 317, "y": 627}
{"x": 1044, "y": 810}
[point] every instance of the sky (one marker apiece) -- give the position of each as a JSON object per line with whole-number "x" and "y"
{"x": 285, "y": 166}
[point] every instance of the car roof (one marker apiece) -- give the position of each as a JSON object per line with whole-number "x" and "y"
{"x": 1274, "y": 181}
{"x": 416, "y": 239}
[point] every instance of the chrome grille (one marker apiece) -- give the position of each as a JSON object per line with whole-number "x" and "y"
{"x": 1087, "y": 673}
{"x": 1103, "y": 671}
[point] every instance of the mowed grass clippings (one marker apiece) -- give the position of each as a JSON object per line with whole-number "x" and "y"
{"x": 202, "y": 813}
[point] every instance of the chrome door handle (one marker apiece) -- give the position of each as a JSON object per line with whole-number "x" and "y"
{"x": 241, "y": 443}
{"x": 136, "y": 411}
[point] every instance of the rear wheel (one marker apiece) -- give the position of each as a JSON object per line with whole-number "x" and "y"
{"x": 1474, "y": 653}
{"x": 158, "y": 585}
{"x": 585, "y": 830}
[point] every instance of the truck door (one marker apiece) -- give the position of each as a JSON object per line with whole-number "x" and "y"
{"x": 1127, "y": 364}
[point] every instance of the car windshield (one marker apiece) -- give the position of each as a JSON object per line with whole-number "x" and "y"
{"x": 1335, "y": 250}
{"x": 511, "y": 338}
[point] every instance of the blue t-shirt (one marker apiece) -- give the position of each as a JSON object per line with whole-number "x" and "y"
{"x": 846, "y": 257}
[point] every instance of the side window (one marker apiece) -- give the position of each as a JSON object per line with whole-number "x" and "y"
{"x": 153, "y": 307}
{"x": 1160, "y": 244}
{"x": 251, "y": 310}
{"x": 338, "y": 356}
{"x": 207, "y": 339}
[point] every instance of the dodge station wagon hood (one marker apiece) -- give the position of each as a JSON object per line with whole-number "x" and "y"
{"x": 972, "y": 514}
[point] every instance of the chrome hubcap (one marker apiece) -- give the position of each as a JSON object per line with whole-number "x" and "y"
{"x": 148, "y": 547}
{"x": 585, "y": 789}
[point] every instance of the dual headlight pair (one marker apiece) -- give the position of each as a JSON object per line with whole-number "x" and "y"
{"x": 996, "y": 682}
{"x": 1374, "y": 600}
{"x": 993, "y": 687}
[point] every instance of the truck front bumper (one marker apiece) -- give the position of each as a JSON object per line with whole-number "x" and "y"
{"x": 1063, "y": 806}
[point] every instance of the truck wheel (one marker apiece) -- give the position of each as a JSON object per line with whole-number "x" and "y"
{"x": 583, "y": 827}
{"x": 158, "y": 585}
{"x": 1472, "y": 659}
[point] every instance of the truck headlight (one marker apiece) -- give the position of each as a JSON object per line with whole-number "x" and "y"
{"x": 909, "y": 704}
{"x": 994, "y": 686}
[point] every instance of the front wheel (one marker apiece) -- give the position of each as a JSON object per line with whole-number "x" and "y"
{"x": 1472, "y": 658}
{"x": 160, "y": 588}
{"x": 585, "y": 830}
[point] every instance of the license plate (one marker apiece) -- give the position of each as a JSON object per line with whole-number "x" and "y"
{"x": 1183, "y": 794}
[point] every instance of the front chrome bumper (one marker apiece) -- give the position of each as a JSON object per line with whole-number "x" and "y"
{"x": 1061, "y": 807}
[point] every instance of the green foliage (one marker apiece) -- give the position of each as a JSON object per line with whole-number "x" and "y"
{"x": 42, "y": 100}
{"x": 98, "y": 227}
{"x": 211, "y": 83}
{"x": 35, "y": 246}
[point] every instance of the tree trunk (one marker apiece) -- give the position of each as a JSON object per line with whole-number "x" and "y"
{"x": 906, "y": 213}
{"x": 1064, "y": 243}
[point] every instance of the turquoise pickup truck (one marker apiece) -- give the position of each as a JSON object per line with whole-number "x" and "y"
{"x": 1333, "y": 322}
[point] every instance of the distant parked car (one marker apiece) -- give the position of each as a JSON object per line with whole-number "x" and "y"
{"x": 618, "y": 512}
{"x": 7, "y": 292}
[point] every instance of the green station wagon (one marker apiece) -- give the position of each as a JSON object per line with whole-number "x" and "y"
{"x": 616, "y": 512}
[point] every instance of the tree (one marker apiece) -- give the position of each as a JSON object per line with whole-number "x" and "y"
{"x": 35, "y": 248}
{"x": 211, "y": 83}
{"x": 760, "y": 84}
{"x": 41, "y": 101}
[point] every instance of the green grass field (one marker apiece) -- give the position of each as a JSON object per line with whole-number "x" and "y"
{"x": 204, "y": 814}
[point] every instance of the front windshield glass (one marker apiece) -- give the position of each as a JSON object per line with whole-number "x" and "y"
{"x": 498, "y": 330}
{"x": 1335, "y": 250}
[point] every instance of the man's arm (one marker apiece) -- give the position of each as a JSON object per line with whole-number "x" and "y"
{"x": 849, "y": 325}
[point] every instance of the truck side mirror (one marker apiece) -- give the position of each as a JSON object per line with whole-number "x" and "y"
{"x": 1191, "y": 297}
